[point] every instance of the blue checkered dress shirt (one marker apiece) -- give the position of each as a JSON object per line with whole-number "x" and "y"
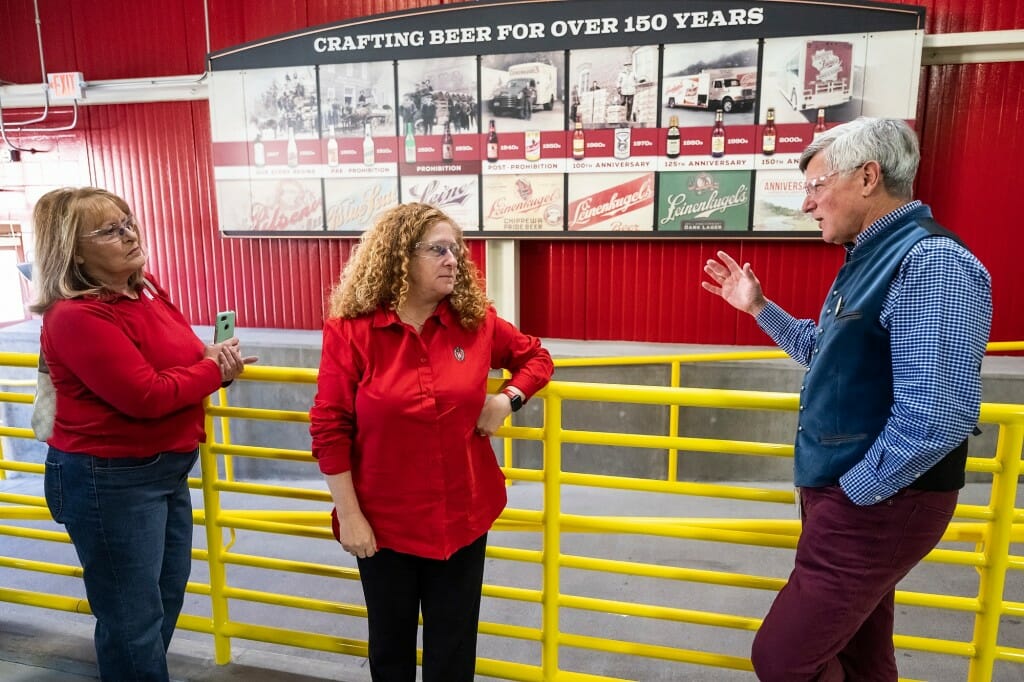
{"x": 938, "y": 311}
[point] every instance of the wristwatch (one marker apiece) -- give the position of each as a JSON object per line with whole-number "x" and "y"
{"x": 517, "y": 400}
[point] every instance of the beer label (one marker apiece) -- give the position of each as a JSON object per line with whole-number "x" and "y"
{"x": 492, "y": 150}
{"x": 621, "y": 202}
{"x": 532, "y": 145}
{"x": 456, "y": 195}
{"x": 623, "y": 139}
{"x": 705, "y": 200}
{"x": 523, "y": 202}
{"x": 718, "y": 145}
{"x": 355, "y": 203}
{"x": 579, "y": 147}
{"x": 279, "y": 205}
{"x": 768, "y": 143}
{"x": 672, "y": 146}
{"x": 778, "y": 202}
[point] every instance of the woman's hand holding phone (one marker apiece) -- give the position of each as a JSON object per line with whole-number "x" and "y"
{"x": 226, "y": 350}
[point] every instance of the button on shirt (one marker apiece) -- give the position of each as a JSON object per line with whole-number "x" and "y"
{"x": 399, "y": 410}
{"x": 938, "y": 310}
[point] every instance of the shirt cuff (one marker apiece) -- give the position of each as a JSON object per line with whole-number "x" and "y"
{"x": 862, "y": 486}
{"x": 333, "y": 463}
{"x": 773, "y": 319}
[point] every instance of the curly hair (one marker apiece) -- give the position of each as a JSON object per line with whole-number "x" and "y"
{"x": 61, "y": 217}
{"x": 377, "y": 274}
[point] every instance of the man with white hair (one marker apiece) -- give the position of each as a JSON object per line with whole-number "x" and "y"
{"x": 891, "y": 393}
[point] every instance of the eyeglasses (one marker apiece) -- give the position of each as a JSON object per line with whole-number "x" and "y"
{"x": 113, "y": 231}
{"x": 438, "y": 249}
{"x": 813, "y": 187}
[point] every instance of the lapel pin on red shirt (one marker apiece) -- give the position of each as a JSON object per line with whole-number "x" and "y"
{"x": 460, "y": 354}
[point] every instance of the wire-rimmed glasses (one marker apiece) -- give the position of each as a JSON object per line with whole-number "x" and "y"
{"x": 437, "y": 249}
{"x": 113, "y": 231}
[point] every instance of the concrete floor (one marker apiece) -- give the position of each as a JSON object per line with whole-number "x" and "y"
{"x": 39, "y": 645}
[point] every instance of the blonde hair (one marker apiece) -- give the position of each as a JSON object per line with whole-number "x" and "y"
{"x": 378, "y": 272}
{"x": 61, "y": 217}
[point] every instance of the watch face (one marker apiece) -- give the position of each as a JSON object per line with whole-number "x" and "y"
{"x": 515, "y": 399}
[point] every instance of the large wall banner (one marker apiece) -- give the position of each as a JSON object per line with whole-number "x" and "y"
{"x": 540, "y": 118}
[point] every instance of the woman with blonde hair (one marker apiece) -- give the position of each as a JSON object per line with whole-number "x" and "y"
{"x": 401, "y": 429}
{"x": 130, "y": 378}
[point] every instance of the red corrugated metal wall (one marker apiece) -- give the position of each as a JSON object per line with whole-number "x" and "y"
{"x": 158, "y": 156}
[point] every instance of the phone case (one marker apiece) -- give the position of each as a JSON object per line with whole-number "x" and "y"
{"x": 225, "y": 327}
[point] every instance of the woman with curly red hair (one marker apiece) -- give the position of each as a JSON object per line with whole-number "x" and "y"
{"x": 401, "y": 429}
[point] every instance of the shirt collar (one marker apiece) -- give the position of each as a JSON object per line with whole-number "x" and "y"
{"x": 385, "y": 316}
{"x": 883, "y": 223}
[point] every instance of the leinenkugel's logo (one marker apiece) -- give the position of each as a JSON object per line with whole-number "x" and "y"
{"x": 706, "y": 203}
{"x": 702, "y": 183}
{"x": 529, "y": 201}
{"x": 460, "y": 354}
{"x": 524, "y": 189}
{"x": 612, "y": 202}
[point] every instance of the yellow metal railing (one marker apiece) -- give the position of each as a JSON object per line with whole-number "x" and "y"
{"x": 233, "y": 516}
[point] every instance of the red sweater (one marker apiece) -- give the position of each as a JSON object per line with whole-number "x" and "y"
{"x": 129, "y": 373}
{"x": 399, "y": 410}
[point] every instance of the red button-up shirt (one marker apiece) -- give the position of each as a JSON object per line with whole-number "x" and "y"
{"x": 399, "y": 410}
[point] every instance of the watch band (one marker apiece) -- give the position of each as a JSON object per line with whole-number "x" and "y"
{"x": 515, "y": 398}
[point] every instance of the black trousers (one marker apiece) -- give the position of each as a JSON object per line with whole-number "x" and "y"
{"x": 397, "y": 586}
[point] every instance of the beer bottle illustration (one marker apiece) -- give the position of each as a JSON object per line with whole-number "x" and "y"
{"x": 332, "y": 149}
{"x": 768, "y": 135}
{"x": 447, "y": 144}
{"x": 672, "y": 138}
{"x": 819, "y": 127}
{"x": 259, "y": 155}
{"x": 410, "y": 143}
{"x": 292, "y": 150}
{"x": 578, "y": 142}
{"x": 718, "y": 136}
{"x": 492, "y": 143}
{"x": 369, "y": 155}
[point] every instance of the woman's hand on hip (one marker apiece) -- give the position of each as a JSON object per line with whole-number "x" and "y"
{"x": 497, "y": 408}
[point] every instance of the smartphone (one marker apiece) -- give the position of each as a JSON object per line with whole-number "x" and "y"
{"x": 225, "y": 326}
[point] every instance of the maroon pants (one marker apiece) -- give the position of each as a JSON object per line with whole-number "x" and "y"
{"x": 833, "y": 620}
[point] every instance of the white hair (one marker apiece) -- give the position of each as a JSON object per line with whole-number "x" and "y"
{"x": 889, "y": 141}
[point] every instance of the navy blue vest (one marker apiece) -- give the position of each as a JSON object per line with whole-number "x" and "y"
{"x": 848, "y": 389}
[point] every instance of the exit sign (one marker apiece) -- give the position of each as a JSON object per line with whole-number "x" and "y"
{"x": 65, "y": 84}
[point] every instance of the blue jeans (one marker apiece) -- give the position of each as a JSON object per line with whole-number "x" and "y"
{"x": 131, "y": 523}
